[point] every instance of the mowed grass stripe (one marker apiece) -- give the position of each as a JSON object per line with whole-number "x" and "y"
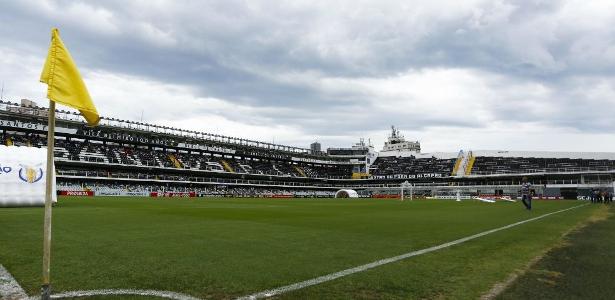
{"x": 385, "y": 261}
{"x": 465, "y": 271}
{"x": 226, "y": 248}
{"x": 583, "y": 267}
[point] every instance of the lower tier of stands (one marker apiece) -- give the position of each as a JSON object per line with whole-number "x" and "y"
{"x": 157, "y": 189}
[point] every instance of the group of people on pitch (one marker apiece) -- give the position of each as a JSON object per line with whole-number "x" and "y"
{"x": 598, "y": 196}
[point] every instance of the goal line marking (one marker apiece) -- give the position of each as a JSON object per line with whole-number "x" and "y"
{"x": 343, "y": 273}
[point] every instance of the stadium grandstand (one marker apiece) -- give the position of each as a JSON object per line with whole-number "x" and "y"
{"x": 122, "y": 157}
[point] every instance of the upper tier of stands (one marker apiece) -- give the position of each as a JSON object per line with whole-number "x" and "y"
{"x": 410, "y": 165}
{"x": 34, "y": 114}
{"x": 495, "y": 162}
{"x": 485, "y": 165}
{"x": 126, "y": 155}
{"x": 483, "y": 162}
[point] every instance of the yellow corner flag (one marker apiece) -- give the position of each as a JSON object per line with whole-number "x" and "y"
{"x": 64, "y": 83}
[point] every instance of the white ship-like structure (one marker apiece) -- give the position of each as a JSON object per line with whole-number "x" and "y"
{"x": 397, "y": 142}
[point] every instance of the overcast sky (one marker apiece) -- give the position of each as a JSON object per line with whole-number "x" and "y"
{"x": 512, "y": 75}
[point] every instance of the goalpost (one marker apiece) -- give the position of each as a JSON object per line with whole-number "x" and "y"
{"x": 406, "y": 185}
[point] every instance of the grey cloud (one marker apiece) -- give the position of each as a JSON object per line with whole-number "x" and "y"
{"x": 241, "y": 52}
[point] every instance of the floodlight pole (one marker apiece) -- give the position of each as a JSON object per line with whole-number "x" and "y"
{"x": 46, "y": 287}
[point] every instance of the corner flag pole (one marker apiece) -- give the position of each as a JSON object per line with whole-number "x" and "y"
{"x": 46, "y": 288}
{"x": 64, "y": 85}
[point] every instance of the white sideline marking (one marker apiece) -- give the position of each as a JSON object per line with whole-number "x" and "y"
{"x": 332, "y": 276}
{"x": 9, "y": 288}
{"x": 485, "y": 200}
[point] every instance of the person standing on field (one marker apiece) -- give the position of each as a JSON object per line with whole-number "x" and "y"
{"x": 526, "y": 197}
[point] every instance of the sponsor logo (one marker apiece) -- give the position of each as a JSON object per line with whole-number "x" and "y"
{"x": 5, "y": 169}
{"x": 76, "y": 193}
{"x": 30, "y": 174}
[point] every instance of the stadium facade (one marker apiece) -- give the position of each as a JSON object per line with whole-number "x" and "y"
{"x": 122, "y": 157}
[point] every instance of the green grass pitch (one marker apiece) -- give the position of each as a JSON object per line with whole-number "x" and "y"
{"x": 225, "y": 247}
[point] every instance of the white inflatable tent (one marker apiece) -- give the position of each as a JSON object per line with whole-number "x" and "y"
{"x": 346, "y": 194}
{"x": 22, "y": 176}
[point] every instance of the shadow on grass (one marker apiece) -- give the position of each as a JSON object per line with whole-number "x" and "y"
{"x": 581, "y": 268}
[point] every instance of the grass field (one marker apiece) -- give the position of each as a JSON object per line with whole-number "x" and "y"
{"x": 582, "y": 267}
{"x": 225, "y": 248}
